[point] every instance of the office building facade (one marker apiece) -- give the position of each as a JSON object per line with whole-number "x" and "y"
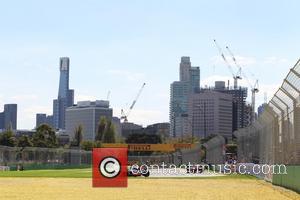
{"x": 87, "y": 114}
{"x": 210, "y": 113}
{"x": 1, "y": 120}
{"x": 42, "y": 118}
{"x": 189, "y": 83}
{"x": 8, "y": 118}
{"x": 240, "y": 116}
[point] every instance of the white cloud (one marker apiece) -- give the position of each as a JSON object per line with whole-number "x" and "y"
{"x": 241, "y": 60}
{"x": 32, "y": 110}
{"x": 147, "y": 116}
{"x": 83, "y": 97}
{"x": 275, "y": 60}
{"x": 131, "y": 76}
{"x": 144, "y": 116}
{"x": 27, "y": 114}
{"x": 24, "y": 97}
{"x": 268, "y": 89}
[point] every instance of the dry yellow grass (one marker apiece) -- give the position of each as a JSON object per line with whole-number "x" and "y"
{"x": 80, "y": 188}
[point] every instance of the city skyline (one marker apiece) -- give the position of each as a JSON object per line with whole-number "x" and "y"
{"x": 118, "y": 49}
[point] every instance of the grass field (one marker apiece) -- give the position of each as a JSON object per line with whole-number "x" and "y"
{"x": 50, "y": 173}
{"x": 75, "y": 184}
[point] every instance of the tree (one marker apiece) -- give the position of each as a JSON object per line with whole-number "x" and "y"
{"x": 7, "y": 138}
{"x": 143, "y": 138}
{"x": 78, "y": 135}
{"x": 44, "y": 137}
{"x": 24, "y": 141}
{"x": 109, "y": 133}
{"x": 87, "y": 145}
{"x": 101, "y": 129}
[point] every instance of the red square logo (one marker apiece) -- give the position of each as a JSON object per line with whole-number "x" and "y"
{"x": 110, "y": 167}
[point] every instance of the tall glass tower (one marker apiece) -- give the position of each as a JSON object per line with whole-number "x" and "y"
{"x": 65, "y": 95}
{"x": 64, "y": 64}
{"x": 189, "y": 82}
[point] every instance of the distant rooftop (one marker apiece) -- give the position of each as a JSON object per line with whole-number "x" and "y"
{"x": 97, "y": 103}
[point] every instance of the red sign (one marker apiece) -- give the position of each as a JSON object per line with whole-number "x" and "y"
{"x": 110, "y": 167}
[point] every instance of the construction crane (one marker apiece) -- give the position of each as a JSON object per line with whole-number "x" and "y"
{"x": 124, "y": 116}
{"x": 254, "y": 88}
{"x": 235, "y": 76}
{"x": 108, "y": 95}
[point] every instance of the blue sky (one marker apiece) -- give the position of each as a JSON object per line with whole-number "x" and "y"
{"x": 118, "y": 45}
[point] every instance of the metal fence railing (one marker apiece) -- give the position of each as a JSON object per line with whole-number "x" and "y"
{"x": 274, "y": 138}
{"x": 12, "y": 156}
{"x": 32, "y": 156}
{"x": 182, "y": 156}
{"x": 215, "y": 150}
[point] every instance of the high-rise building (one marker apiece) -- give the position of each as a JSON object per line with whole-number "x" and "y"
{"x": 189, "y": 82}
{"x": 239, "y": 106}
{"x": 87, "y": 114}
{"x": 42, "y": 118}
{"x": 1, "y": 120}
{"x": 9, "y": 116}
{"x": 261, "y": 109}
{"x": 65, "y": 95}
{"x": 210, "y": 113}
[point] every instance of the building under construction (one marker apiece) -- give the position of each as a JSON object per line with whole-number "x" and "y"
{"x": 241, "y": 111}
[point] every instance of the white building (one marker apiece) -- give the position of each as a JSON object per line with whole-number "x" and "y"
{"x": 87, "y": 114}
{"x": 210, "y": 112}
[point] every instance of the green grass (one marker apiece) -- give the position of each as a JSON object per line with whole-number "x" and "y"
{"x": 87, "y": 173}
{"x": 232, "y": 176}
{"x": 51, "y": 173}
{"x": 35, "y": 166}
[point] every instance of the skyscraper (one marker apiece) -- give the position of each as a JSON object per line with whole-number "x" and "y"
{"x": 8, "y": 118}
{"x": 189, "y": 82}
{"x": 239, "y": 109}
{"x": 1, "y": 120}
{"x": 42, "y": 118}
{"x": 210, "y": 112}
{"x": 65, "y": 95}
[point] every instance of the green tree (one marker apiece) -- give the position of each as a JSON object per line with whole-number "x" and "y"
{"x": 87, "y": 145}
{"x": 7, "y": 138}
{"x": 143, "y": 138}
{"x": 44, "y": 137}
{"x": 101, "y": 129}
{"x": 97, "y": 144}
{"x": 78, "y": 136}
{"x": 24, "y": 141}
{"x": 109, "y": 133}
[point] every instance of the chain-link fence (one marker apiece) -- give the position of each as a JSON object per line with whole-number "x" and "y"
{"x": 274, "y": 138}
{"x": 33, "y": 156}
{"x": 181, "y": 156}
{"x": 215, "y": 150}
